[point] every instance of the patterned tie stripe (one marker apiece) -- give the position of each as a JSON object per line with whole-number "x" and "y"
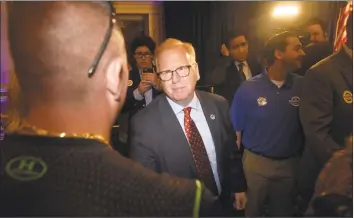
{"x": 199, "y": 153}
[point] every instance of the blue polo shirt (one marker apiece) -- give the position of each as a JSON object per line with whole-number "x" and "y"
{"x": 268, "y": 116}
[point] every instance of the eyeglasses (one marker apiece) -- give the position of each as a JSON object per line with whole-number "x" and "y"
{"x": 182, "y": 71}
{"x": 112, "y": 21}
{"x": 143, "y": 55}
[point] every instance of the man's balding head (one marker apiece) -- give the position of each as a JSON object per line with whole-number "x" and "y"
{"x": 54, "y": 43}
{"x": 172, "y": 43}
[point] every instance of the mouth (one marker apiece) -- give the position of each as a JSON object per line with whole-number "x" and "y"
{"x": 177, "y": 89}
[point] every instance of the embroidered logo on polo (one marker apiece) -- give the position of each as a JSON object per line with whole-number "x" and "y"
{"x": 26, "y": 168}
{"x": 348, "y": 97}
{"x": 261, "y": 101}
{"x": 295, "y": 101}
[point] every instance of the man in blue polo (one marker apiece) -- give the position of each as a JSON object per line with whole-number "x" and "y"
{"x": 265, "y": 118}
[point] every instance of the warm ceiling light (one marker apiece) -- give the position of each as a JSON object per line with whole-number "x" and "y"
{"x": 285, "y": 11}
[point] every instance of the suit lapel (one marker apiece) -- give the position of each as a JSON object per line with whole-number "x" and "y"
{"x": 212, "y": 116}
{"x": 174, "y": 132}
{"x": 254, "y": 67}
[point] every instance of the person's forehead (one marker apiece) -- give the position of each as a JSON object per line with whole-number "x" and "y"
{"x": 238, "y": 40}
{"x": 174, "y": 56}
{"x": 293, "y": 41}
{"x": 314, "y": 27}
{"x": 142, "y": 48}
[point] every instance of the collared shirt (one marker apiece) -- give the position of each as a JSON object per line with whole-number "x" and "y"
{"x": 148, "y": 95}
{"x": 268, "y": 116}
{"x": 246, "y": 69}
{"x": 198, "y": 117}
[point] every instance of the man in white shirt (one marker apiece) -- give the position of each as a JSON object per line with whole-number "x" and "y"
{"x": 238, "y": 67}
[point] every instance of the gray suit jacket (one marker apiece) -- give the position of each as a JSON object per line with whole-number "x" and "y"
{"x": 159, "y": 143}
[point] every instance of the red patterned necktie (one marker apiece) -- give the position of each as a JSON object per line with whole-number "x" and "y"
{"x": 199, "y": 153}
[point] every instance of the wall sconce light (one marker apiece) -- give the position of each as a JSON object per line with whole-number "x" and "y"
{"x": 286, "y": 11}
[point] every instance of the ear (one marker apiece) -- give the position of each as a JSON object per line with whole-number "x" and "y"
{"x": 197, "y": 71}
{"x": 278, "y": 54}
{"x": 114, "y": 78}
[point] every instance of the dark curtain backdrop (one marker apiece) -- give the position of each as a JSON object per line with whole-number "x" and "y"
{"x": 205, "y": 24}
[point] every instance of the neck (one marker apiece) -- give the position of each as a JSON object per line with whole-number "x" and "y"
{"x": 70, "y": 119}
{"x": 277, "y": 72}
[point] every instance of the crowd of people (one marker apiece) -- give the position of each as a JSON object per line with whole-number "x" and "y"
{"x": 273, "y": 139}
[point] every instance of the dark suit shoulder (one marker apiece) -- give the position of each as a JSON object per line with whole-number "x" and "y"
{"x": 326, "y": 65}
{"x": 218, "y": 99}
{"x": 149, "y": 112}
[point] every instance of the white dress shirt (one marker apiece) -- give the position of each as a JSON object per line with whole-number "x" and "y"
{"x": 200, "y": 121}
{"x": 246, "y": 69}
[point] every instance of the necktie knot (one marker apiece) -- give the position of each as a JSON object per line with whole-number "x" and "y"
{"x": 240, "y": 66}
{"x": 187, "y": 111}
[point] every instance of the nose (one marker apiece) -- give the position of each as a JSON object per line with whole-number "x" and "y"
{"x": 175, "y": 77}
{"x": 242, "y": 49}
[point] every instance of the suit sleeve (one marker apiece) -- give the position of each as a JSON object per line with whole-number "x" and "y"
{"x": 316, "y": 114}
{"x": 235, "y": 175}
{"x": 206, "y": 204}
{"x": 237, "y": 110}
{"x": 131, "y": 101}
{"x": 139, "y": 150}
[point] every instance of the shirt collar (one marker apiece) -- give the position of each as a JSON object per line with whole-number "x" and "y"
{"x": 287, "y": 83}
{"x": 244, "y": 63}
{"x": 194, "y": 104}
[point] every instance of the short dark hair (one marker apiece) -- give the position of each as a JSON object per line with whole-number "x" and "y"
{"x": 313, "y": 21}
{"x": 277, "y": 42}
{"x": 233, "y": 34}
{"x": 143, "y": 41}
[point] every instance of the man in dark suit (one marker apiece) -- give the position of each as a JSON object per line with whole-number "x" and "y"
{"x": 326, "y": 111}
{"x": 233, "y": 70}
{"x": 143, "y": 82}
{"x": 192, "y": 135}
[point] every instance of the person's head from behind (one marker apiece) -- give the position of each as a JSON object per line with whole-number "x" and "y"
{"x": 237, "y": 44}
{"x": 177, "y": 69}
{"x": 349, "y": 42}
{"x": 317, "y": 30}
{"x": 314, "y": 53}
{"x": 143, "y": 48}
{"x": 69, "y": 57}
{"x": 284, "y": 49}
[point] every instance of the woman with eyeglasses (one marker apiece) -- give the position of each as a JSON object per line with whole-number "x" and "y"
{"x": 143, "y": 82}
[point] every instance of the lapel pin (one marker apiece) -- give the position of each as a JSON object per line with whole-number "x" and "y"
{"x": 212, "y": 116}
{"x": 130, "y": 82}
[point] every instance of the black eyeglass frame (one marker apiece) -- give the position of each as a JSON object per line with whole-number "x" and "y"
{"x": 107, "y": 37}
{"x": 143, "y": 55}
{"x": 175, "y": 71}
